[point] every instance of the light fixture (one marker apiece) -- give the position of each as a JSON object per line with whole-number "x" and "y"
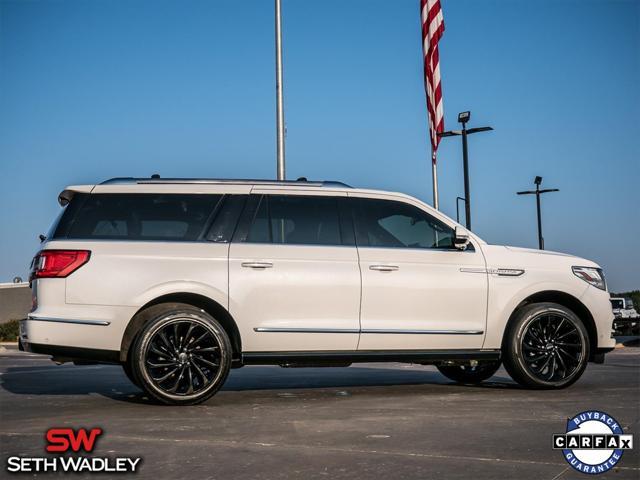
{"x": 463, "y": 117}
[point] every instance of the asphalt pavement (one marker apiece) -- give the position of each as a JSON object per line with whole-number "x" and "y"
{"x": 366, "y": 421}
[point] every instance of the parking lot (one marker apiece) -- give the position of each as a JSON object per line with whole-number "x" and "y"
{"x": 366, "y": 421}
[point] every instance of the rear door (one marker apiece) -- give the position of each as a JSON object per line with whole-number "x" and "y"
{"x": 294, "y": 279}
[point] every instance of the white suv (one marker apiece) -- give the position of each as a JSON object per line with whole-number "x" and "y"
{"x": 179, "y": 280}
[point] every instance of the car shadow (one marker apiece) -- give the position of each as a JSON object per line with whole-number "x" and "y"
{"x": 110, "y": 381}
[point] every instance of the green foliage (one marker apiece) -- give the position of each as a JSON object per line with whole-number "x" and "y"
{"x": 633, "y": 295}
{"x": 9, "y": 331}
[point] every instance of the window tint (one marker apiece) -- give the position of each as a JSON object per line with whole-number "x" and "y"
{"x": 293, "y": 219}
{"x": 137, "y": 216}
{"x": 390, "y": 224}
{"x": 227, "y": 218}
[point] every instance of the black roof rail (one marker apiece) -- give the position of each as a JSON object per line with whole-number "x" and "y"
{"x": 154, "y": 180}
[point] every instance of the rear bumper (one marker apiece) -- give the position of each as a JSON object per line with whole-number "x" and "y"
{"x": 62, "y": 354}
{"x": 97, "y": 332}
{"x": 45, "y": 337}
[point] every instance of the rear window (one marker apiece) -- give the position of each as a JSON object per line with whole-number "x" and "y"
{"x": 168, "y": 217}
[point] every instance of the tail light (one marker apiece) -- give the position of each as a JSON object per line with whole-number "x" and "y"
{"x": 58, "y": 263}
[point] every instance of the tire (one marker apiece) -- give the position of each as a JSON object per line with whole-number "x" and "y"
{"x": 181, "y": 356}
{"x": 546, "y": 346}
{"x": 470, "y": 374}
{"x": 128, "y": 371}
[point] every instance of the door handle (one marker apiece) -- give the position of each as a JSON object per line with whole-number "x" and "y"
{"x": 384, "y": 268}
{"x": 257, "y": 265}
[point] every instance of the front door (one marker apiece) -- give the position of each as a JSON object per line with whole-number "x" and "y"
{"x": 418, "y": 291}
{"x": 294, "y": 279}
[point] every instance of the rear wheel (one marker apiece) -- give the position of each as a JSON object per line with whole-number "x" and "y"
{"x": 182, "y": 356}
{"x": 468, "y": 373}
{"x": 546, "y": 346}
{"x": 128, "y": 371}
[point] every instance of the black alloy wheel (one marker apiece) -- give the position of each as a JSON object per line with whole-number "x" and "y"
{"x": 548, "y": 348}
{"x": 182, "y": 357}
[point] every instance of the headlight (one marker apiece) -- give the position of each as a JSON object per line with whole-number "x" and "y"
{"x": 593, "y": 276}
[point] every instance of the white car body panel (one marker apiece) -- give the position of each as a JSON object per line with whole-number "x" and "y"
{"x": 314, "y": 289}
{"x": 329, "y": 289}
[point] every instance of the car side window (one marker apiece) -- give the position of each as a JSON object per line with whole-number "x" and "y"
{"x": 137, "y": 216}
{"x": 298, "y": 220}
{"x": 393, "y": 224}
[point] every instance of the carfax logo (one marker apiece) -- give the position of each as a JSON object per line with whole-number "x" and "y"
{"x": 593, "y": 442}
{"x": 67, "y": 440}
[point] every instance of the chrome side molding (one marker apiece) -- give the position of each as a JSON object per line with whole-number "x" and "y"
{"x": 304, "y": 330}
{"x": 421, "y": 332}
{"x": 501, "y": 272}
{"x": 366, "y": 330}
{"x": 507, "y": 272}
{"x": 102, "y": 323}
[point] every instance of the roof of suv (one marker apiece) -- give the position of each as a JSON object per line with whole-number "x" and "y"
{"x": 158, "y": 180}
{"x": 179, "y": 185}
{"x": 206, "y": 185}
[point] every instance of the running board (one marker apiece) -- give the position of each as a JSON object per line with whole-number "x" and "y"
{"x": 337, "y": 357}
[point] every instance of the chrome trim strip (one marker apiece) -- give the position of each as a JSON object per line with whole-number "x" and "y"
{"x": 508, "y": 272}
{"x": 423, "y": 332}
{"x": 102, "y": 323}
{"x": 370, "y": 330}
{"x": 473, "y": 270}
{"x": 304, "y": 330}
{"x": 501, "y": 272}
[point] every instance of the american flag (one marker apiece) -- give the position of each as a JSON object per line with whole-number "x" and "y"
{"x": 432, "y": 30}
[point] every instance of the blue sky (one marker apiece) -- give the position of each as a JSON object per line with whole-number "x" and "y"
{"x": 95, "y": 89}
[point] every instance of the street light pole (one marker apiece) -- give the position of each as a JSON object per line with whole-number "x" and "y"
{"x": 465, "y": 165}
{"x": 463, "y": 118}
{"x": 540, "y": 237}
{"x": 537, "y": 192}
{"x": 280, "y": 170}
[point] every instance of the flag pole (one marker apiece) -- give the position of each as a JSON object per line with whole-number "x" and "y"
{"x": 434, "y": 174}
{"x": 432, "y": 31}
{"x": 279, "y": 100}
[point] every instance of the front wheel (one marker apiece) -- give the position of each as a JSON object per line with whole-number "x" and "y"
{"x": 470, "y": 373}
{"x": 182, "y": 356}
{"x": 546, "y": 346}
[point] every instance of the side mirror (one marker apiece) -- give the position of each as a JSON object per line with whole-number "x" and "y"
{"x": 461, "y": 238}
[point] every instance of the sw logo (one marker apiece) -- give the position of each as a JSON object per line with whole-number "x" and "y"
{"x": 593, "y": 443}
{"x": 69, "y": 441}
{"x": 63, "y": 439}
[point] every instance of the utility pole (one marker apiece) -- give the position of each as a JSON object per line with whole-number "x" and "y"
{"x": 279, "y": 100}
{"x": 463, "y": 118}
{"x": 537, "y": 192}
